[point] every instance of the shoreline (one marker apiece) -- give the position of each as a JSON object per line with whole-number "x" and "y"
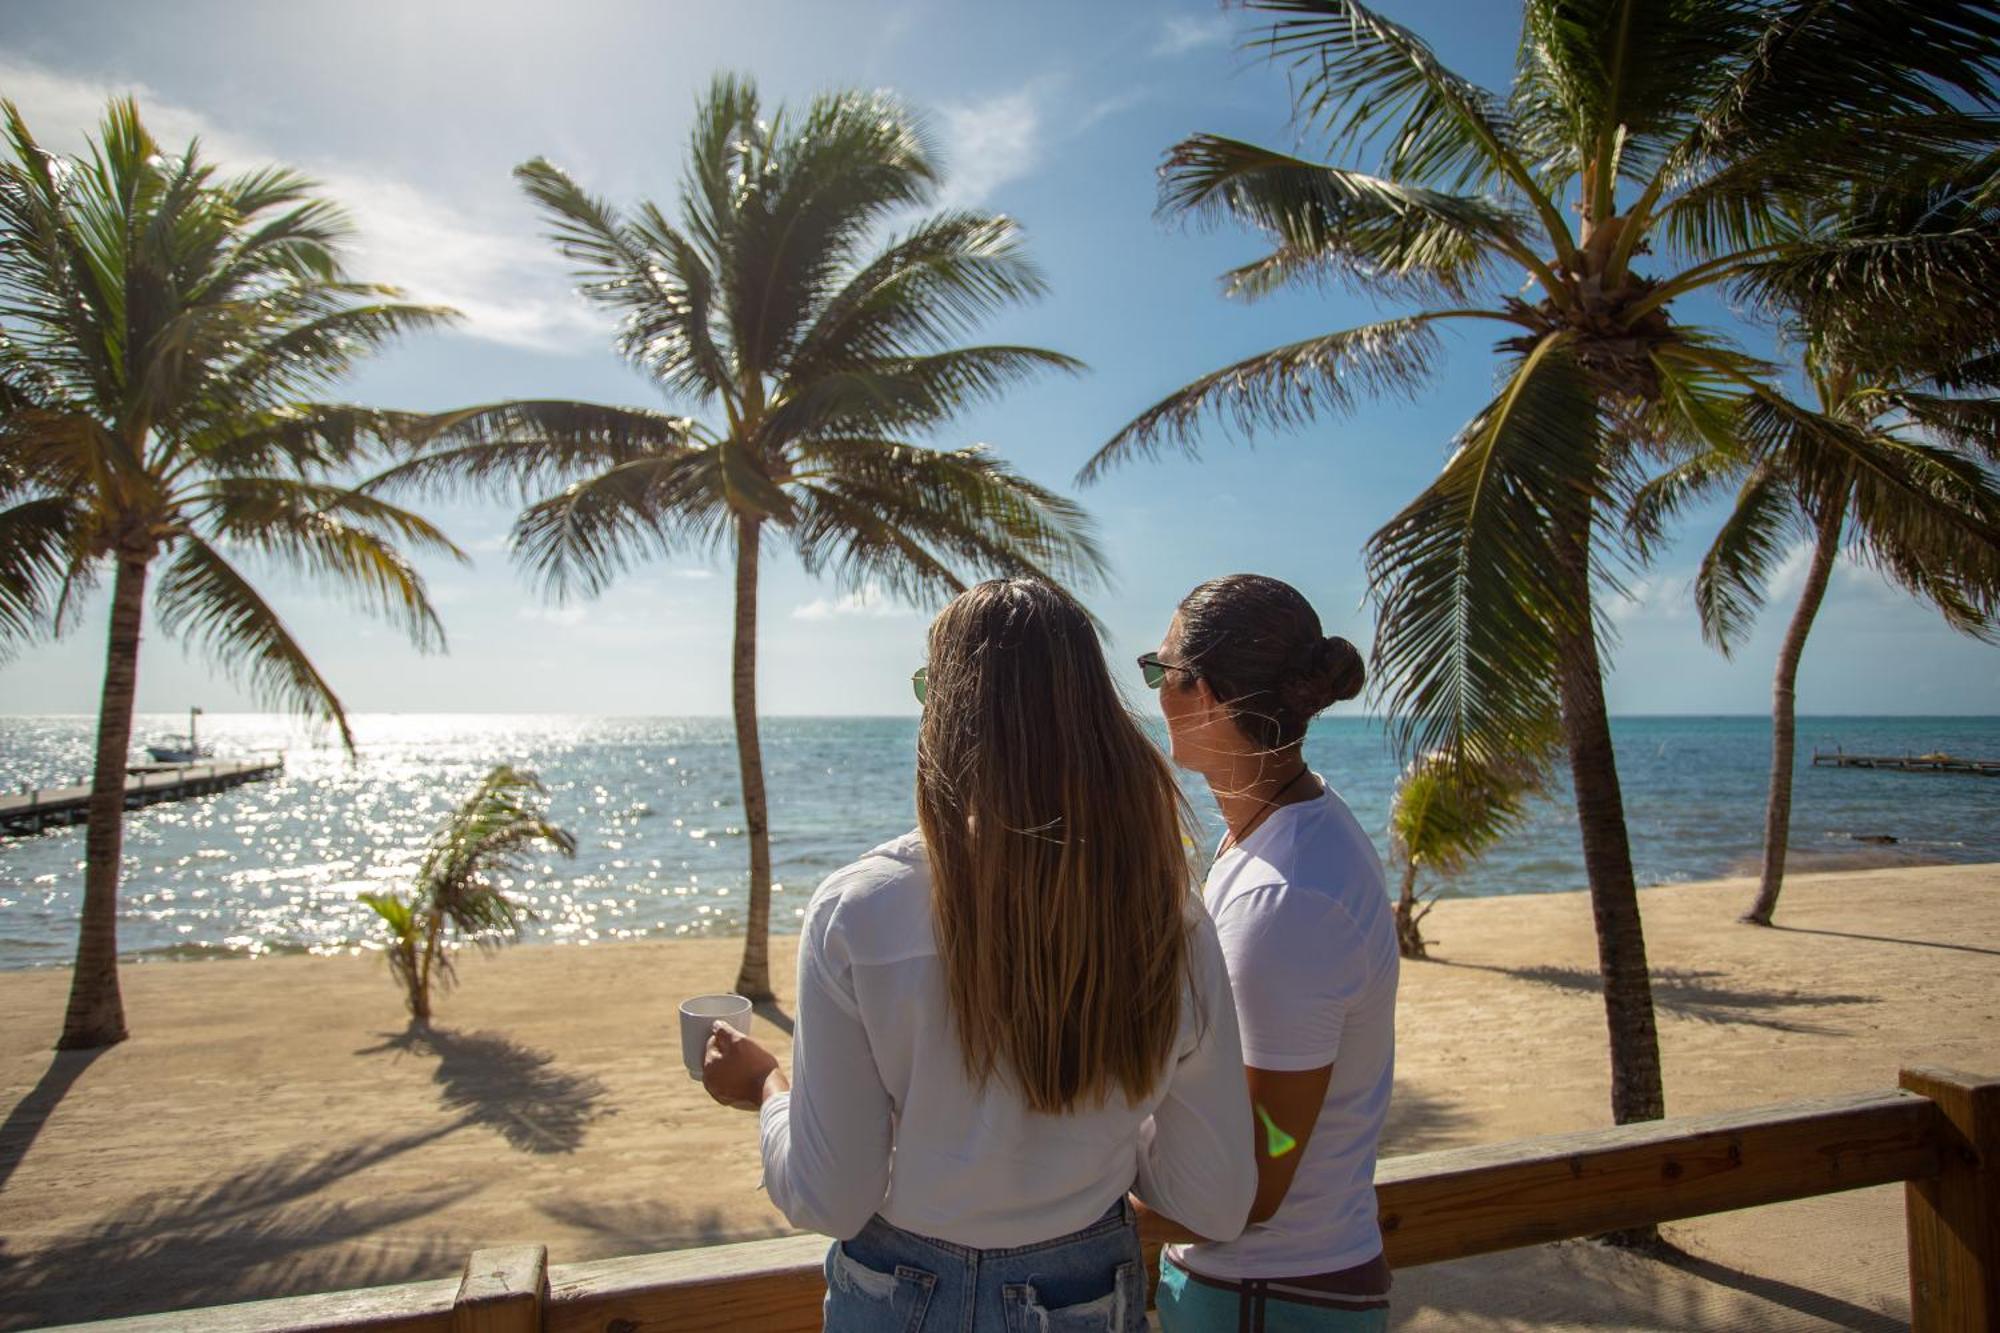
{"x": 1862, "y": 860}
{"x": 275, "y": 1129}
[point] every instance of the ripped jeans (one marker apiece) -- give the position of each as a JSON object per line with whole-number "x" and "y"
{"x": 888, "y": 1279}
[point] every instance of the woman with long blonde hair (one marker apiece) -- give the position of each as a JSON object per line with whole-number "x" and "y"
{"x": 1020, "y": 1004}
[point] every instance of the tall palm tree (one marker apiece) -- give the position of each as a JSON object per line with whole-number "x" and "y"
{"x": 160, "y": 329}
{"x": 490, "y": 833}
{"x": 820, "y": 359}
{"x": 1674, "y": 131}
{"x": 1916, "y": 398}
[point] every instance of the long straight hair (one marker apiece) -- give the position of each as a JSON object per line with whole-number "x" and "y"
{"x": 1060, "y": 877}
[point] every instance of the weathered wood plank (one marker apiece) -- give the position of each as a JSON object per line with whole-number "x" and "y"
{"x": 413, "y": 1307}
{"x": 773, "y": 1285}
{"x": 502, "y": 1291}
{"x": 1447, "y": 1205}
{"x": 1954, "y": 1216}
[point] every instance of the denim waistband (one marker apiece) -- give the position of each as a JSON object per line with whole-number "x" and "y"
{"x": 1119, "y": 1214}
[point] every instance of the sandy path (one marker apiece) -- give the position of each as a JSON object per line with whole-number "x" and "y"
{"x": 265, "y": 1133}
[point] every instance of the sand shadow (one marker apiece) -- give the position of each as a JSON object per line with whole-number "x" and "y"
{"x": 1697, "y": 995}
{"x": 1819, "y": 1305}
{"x": 24, "y": 1123}
{"x": 644, "y": 1226}
{"x": 1588, "y": 1285}
{"x": 769, "y": 1011}
{"x": 516, "y": 1090}
{"x": 1419, "y": 1122}
{"x": 251, "y": 1234}
{"x": 1886, "y": 939}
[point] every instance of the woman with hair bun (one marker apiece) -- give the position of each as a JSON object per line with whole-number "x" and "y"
{"x": 1302, "y": 912}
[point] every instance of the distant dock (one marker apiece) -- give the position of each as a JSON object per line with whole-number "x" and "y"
{"x": 145, "y": 784}
{"x": 1908, "y": 763}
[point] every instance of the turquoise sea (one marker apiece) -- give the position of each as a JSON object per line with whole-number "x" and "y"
{"x": 275, "y": 866}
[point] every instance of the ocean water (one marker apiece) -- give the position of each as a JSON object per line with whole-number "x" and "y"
{"x": 276, "y": 866}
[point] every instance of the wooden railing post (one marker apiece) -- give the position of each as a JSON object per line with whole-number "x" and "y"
{"x": 1954, "y": 1217}
{"x": 503, "y": 1291}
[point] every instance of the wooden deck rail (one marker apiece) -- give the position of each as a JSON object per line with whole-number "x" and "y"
{"x": 1939, "y": 1133}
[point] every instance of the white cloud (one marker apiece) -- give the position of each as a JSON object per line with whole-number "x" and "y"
{"x": 1654, "y": 597}
{"x": 488, "y": 262}
{"x": 988, "y": 144}
{"x": 869, "y": 601}
{"x": 1182, "y": 33}
{"x": 568, "y": 617}
{"x": 692, "y": 573}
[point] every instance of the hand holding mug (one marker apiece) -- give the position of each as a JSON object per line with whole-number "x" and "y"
{"x": 737, "y": 1071}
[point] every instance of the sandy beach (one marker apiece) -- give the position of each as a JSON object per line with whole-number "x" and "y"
{"x": 269, "y": 1129}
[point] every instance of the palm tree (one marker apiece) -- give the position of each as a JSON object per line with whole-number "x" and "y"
{"x": 488, "y": 835}
{"x": 159, "y": 327}
{"x": 820, "y": 362}
{"x": 1674, "y": 130}
{"x": 1446, "y": 815}
{"x": 1916, "y": 402}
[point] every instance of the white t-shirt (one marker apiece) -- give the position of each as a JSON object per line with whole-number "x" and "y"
{"x": 877, "y": 1080}
{"x": 1305, "y": 924}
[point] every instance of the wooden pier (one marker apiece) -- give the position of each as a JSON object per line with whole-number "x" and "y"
{"x": 1908, "y": 763}
{"x": 145, "y": 784}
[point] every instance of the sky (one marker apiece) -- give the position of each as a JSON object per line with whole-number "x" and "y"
{"x": 413, "y": 115}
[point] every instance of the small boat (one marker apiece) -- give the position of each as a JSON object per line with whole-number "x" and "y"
{"x": 172, "y": 750}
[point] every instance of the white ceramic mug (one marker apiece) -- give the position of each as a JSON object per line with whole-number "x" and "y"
{"x": 698, "y": 1020}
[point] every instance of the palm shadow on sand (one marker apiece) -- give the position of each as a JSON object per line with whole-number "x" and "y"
{"x": 644, "y": 1226}
{"x": 1696, "y": 995}
{"x": 491, "y": 1080}
{"x": 24, "y": 1123}
{"x": 247, "y": 1235}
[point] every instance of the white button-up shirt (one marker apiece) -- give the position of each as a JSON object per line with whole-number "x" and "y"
{"x": 882, "y": 1118}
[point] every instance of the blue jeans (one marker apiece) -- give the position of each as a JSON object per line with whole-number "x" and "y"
{"x": 1188, "y": 1304}
{"x": 886, "y": 1279}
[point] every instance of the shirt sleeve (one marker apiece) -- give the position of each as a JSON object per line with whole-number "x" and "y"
{"x": 1196, "y": 1161}
{"x": 1292, "y": 960}
{"x": 827, "y": 1142}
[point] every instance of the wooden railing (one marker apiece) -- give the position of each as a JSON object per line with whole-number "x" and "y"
{"x": 1940, "y": 1133}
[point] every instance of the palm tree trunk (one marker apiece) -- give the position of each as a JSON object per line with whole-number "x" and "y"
{"x": 96, "y": 1014}
{"x": 1778, "y": 806}
{"x": 1409, "y": 937}
{"x": 1637, "y": 1092}
{"x": 753, "y": 980}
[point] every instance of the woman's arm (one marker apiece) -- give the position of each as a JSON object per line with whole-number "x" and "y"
{"x": 1285, "y": 1106}
{"x": 1192, "y": 1164}
{"x": 827, "y": 1139}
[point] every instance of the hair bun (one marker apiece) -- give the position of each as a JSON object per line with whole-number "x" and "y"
{"x": 1338, "y": 667}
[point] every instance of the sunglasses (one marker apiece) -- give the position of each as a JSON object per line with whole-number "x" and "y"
{"x": 1156, "y": 670}
{"x": 920, "y": 681}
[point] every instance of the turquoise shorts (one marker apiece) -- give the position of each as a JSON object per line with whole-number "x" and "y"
{"x": 1189, "y": 1304}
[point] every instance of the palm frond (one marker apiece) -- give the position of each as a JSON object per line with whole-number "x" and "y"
{"x": 1670, "y": 494}
{"x": 910, "y": 394}
{"x": 205, "y": 601}
{"x": 928, "y": 286}
{"x": 1323, "y": 220}
{"x": 529, "y": 443}
{"x": 1729, "y": 585}
{"x": 1447, "y": 813}
{"x": 1284, "y": 387}
{"x": 1467, "y": 578}
{"x": 38, "y": 539}
{"x": 576, "y": 541}
{"x": 351, "y": 540}
{"x": 490, "y": 834}
{"x": 1355, "y": 73}
{"x": 873, "y": 504}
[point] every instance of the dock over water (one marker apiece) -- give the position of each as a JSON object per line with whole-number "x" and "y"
{"x": 1908, "y": 763}
{"x": 145, "y": 784}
